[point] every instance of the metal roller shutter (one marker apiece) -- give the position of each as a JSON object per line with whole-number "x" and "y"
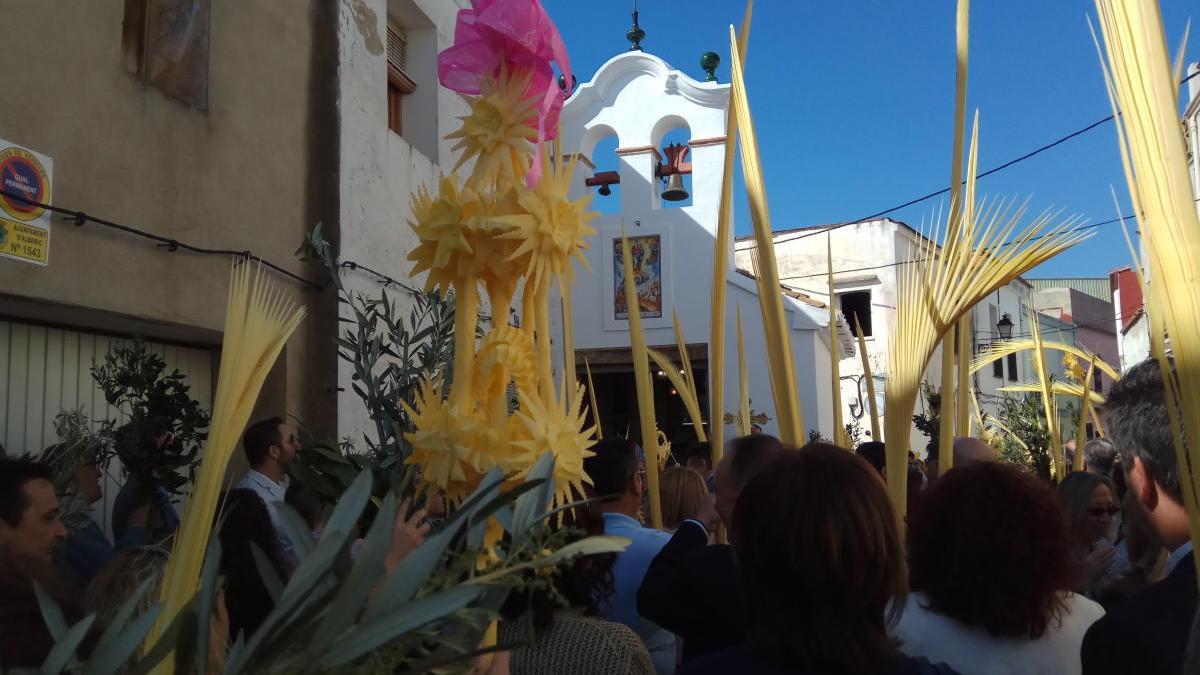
{"x": 44, "y": 371}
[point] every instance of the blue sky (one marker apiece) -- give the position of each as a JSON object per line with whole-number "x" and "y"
{"x": 853, "y": 101}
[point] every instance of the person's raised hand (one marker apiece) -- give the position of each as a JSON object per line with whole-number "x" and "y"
{"x": 707, "y": 512}
{"x": 407, "y": 535}
{"x": 1098, "y": 560}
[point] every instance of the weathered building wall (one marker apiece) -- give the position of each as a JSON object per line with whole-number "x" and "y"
{"x": 1093, "y": 320}
{"x": 255, "y": 170}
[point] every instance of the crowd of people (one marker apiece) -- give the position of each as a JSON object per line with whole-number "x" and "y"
{"x": 995, "y": 570}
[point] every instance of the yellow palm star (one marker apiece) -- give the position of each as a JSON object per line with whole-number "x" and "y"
{"x": 506, "y": 355}
{"x": 553, "y": 229}
{"x": 663, "y": 450}
{"x": 498, "y": 131}
{"x": 443, "y": 444}
{"x": 1072, "y": 368}
{"x": 437, "y": 221}
{"x": 559, "y": 429}
{"x": 502, "y": 269}
{"x": 459, "y": 232}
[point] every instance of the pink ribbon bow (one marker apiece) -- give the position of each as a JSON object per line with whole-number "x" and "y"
{"x": 516, "y": 33}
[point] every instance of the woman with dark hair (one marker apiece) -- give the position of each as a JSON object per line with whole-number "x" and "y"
{"x": 1091, "y": 503}
{"x": 572, "y": 639}
{"x": 821, "y": 568}
{"x": 245, "y": 523}
{"x": 988, "y": 559}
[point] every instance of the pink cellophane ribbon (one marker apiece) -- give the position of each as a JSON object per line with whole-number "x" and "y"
{"x": 513, "y": 33}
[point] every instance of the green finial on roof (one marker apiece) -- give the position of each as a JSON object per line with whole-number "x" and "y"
{"x": 635, "y": 34}
{"x": 709, "y": 62}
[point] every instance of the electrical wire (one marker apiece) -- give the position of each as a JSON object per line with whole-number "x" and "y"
{"x": 995, "y": 169}
{"x": 909, "y": 262}
{"x": 80, "y": 218}
{"x": 383, "y": 278}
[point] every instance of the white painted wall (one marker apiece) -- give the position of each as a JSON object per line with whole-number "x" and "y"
{"x": 1013, "y": 300}
{"x": 1134, "y": 343}
{"x": 640, "y": 98}
{"x": 877, "y": 245}
{"x": 379, "y": 169}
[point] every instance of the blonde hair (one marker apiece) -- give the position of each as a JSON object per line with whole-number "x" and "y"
{"x": 682, "y": 490}
{"x": 121, "y": 577}
{"x": 125, "y": 574}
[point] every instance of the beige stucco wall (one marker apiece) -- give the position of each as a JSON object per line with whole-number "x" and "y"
{"x": 236, "y": 176}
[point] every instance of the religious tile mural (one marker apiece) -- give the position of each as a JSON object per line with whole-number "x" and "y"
{"x": 647, "y": 271}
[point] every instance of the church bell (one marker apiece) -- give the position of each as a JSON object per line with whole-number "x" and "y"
{"x": 675, "y": 192}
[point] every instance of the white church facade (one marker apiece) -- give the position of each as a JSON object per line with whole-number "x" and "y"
{"x": 641, "y": 100}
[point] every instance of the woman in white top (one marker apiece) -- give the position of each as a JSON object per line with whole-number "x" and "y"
{"x": 989, "y": 555}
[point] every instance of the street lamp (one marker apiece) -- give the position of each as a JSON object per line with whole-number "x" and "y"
{"x": 1005, "y": 326}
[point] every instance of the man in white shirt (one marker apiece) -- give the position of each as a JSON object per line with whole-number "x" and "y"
{"x": 270, "y": 446}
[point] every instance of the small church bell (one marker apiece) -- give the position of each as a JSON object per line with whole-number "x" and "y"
{"x": 675, "y": 192}
{"x": 673, "y": 170}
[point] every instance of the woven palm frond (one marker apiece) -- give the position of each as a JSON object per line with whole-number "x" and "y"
{"x": 259, "y": 319}
{"x": 1000, "y": 350}
{"x": 1144, "y": 91}
{"x": 943, "y": 283}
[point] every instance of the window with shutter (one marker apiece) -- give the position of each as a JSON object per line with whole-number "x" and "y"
{"x": 1012, "y": 368}
{"x": 399, "y": 84}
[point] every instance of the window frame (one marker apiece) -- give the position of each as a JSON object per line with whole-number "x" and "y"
{"x": 868, "y": 325}
{"x": 399, "y": 84}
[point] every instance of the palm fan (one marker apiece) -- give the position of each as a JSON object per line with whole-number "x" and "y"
{"x": 1144, "y": 92}
{"x": 259, "y": 319}
{"x": 944, "y": 283}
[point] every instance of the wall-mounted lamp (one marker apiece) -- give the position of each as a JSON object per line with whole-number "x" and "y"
{"x": 1005, "y": 327}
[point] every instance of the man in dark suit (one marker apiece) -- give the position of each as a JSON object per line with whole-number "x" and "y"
{"x": 691, "y": 588}
{"x": 1148, "y": 634}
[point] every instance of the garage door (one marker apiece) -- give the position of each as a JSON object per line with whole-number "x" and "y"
{"x": 44, "y": 371}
